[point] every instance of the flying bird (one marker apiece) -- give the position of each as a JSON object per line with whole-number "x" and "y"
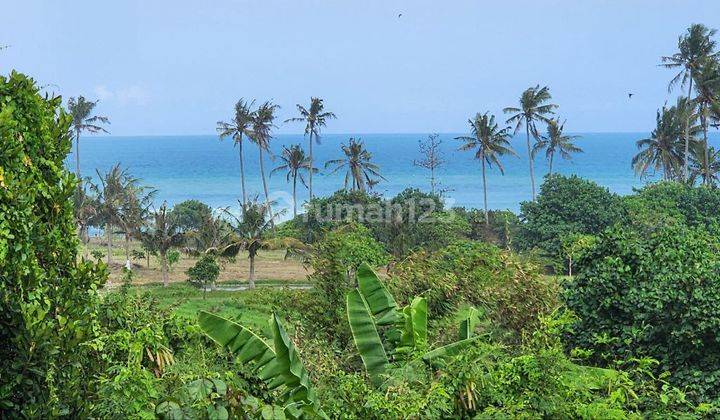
{"x": 399, "y": 15}
{"x": 630, "y": 95}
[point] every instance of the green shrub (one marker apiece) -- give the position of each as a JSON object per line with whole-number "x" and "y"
{"x": 653, "y": 293}
{"x": 565, "y": 206}
{"x": 48, "y": 298}
{"x": 658, "y": 203}
{"x": 513, "y": 292}
{"x": 504, "y": 226}
{"x": 190, "y": 215}
{"x": 205, "y": 271}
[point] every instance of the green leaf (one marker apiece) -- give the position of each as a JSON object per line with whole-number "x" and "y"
{"x": 467, "y": 325}
{"x": 366, "y": 337}
{"x": 414, "y": 333}
{"x": 381, "y": 303}
{"x": 449, "y": 350}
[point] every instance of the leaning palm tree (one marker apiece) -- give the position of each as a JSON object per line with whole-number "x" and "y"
{"x": 489, "y": 142}
{"x": 251, "y": 229}
{"x": 694, "y": 47}
{"x": 86, "y": 209}
{"x": 556, "y": 142}
{"x": 360, "y": 170}
{"x": 83, "y": 120}
{"x": 533, "y": 109}
{"x": 162, "y": 235}
{"x": 314, "y": 117}
{"x": 237, "y": 128}
{"x": 662, "y": 151}
{"x": 294, "y": 162}
{"x": 705, "y": 167}
{"x": 707, "y": 88}
{"x": 261, "y": 134}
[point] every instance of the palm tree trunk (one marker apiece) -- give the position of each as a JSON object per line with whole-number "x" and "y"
{"x": 294, "y": 196}
{"x": 77, "y": 158}
{"x": 310, "y": 148}
{"x": 265, "y": 186}
{"x": 687, "y": 135}
{"x": 127, "y": 247}
{"x": 487, "y": 217}
{"x": 706, "y": 158}
{"x": 164, "y": 269}
{"x": 530, "y": 159}
{"x": 242, "y": 171}
{"x": 251, "y": 279}
{"x": 108, "y": 232}
{"x": 551, "y": 162}
{"x": 570, "y": 265}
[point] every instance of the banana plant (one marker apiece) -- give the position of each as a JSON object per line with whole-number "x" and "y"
{"x": 384, "y": 332}
{"x": 278, "y": 365}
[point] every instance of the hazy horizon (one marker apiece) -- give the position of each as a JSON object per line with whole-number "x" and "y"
{"x": 162, "y": 68}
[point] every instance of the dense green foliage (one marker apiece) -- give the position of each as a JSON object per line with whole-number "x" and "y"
{"x": 565, "y": 206}
{"x": 205, "y": 271}
{"x": 47, "y": 297}
{"x": 190, "y": 215}
{"x": 653, "y": 293}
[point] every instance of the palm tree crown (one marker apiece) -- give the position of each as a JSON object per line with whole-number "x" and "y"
{"x": 556, "y": 141}
{"x": 314, "y": 117}
{"x": 534, "y": 108}
{"x": 262, "y": 124}
{"x": 360, "y": 170}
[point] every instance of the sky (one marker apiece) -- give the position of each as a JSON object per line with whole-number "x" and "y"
{"x": 177, "y": 67}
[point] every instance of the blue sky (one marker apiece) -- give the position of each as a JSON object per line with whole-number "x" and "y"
{"x": 176, "y": 67}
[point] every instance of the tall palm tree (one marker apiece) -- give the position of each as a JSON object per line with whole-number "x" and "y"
{"x": 240, "y": 126}
{"x": 694, "y": 47}
{"x": 705, "y": 167}
{"x": 294, "y": 162}
{"x": 163, "y": 234}
{"x": 86, "y": 208}
{"x": 663, "y": 149}
{"x": 360, "y": 170}
{"x": 556, "y": 142}
{"x": 83, "y": 120}
{"x": 314, "y": 117}
{"x": 533, "y": 109}
{"x": 261, "y": 134}
{"x": 707, "y": 89}
{"x": 489, "y": 142}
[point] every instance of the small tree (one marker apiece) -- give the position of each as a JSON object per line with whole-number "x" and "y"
{"x": 163, "y": 235}
{"x": 575, "y": 246}
{"x": 432, "y": 157}
{"x": 205, "y": 272}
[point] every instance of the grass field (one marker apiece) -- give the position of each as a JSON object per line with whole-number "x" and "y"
{"x": 270, "y": 265}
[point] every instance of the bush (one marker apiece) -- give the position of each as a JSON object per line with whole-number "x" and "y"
{"x": 659, "y": 203}
{"x": 205, "y": 272}
{"x": 503, "y": 229}
{"x": 565, "y": 206}
{"x": 190, "y": 215}
{"x": 653, "y": 293}
{"x": 48, "y": 298}
{"x": 514, "y": 293}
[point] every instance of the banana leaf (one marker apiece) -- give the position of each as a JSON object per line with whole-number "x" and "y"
{"x": 467, "y": 325}
{"x": 381, "y": 303}
{"x": 449, "y": 350}
{"x": 366, "y": 337}
{"x": 414, "y": 332}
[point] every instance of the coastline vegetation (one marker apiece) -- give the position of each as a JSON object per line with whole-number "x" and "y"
{"x": 586, "y": 304}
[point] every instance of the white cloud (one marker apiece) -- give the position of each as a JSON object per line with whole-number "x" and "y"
{"x": 131, "y": 95}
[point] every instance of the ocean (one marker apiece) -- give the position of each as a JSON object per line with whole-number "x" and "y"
{"x": 207, "y": 169}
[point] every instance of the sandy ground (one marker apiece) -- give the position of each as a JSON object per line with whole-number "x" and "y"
{"x": 270, "y": 265}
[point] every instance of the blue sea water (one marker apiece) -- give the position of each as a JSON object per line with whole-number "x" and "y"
{"x": 207, "y": 169}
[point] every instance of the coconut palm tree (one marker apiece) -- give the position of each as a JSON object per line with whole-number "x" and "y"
{"x": 694, "y": 47}
{"x": 314, "y": 117}
{"x": 261, "y": 134}
{"x": 663, "y": 149}
{"x": 489, "y": 142}
{"x": 534, "y": 108}
{"x": 360, "y": 170}
{"x": 706, "y": 168}
{"x": 294, "y": 162}
{"x": 83, "y": 120}
{"x": 707, "y": 90}
{"x": 162, "y": 235}
{"x": 240, "y": 126}
{"x": 556, "y": 142}
{"x": 251, "y": 230}
{"x": 86, "y": 208}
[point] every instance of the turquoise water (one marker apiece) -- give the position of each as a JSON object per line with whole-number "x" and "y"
{"x": 204, "y": 168}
